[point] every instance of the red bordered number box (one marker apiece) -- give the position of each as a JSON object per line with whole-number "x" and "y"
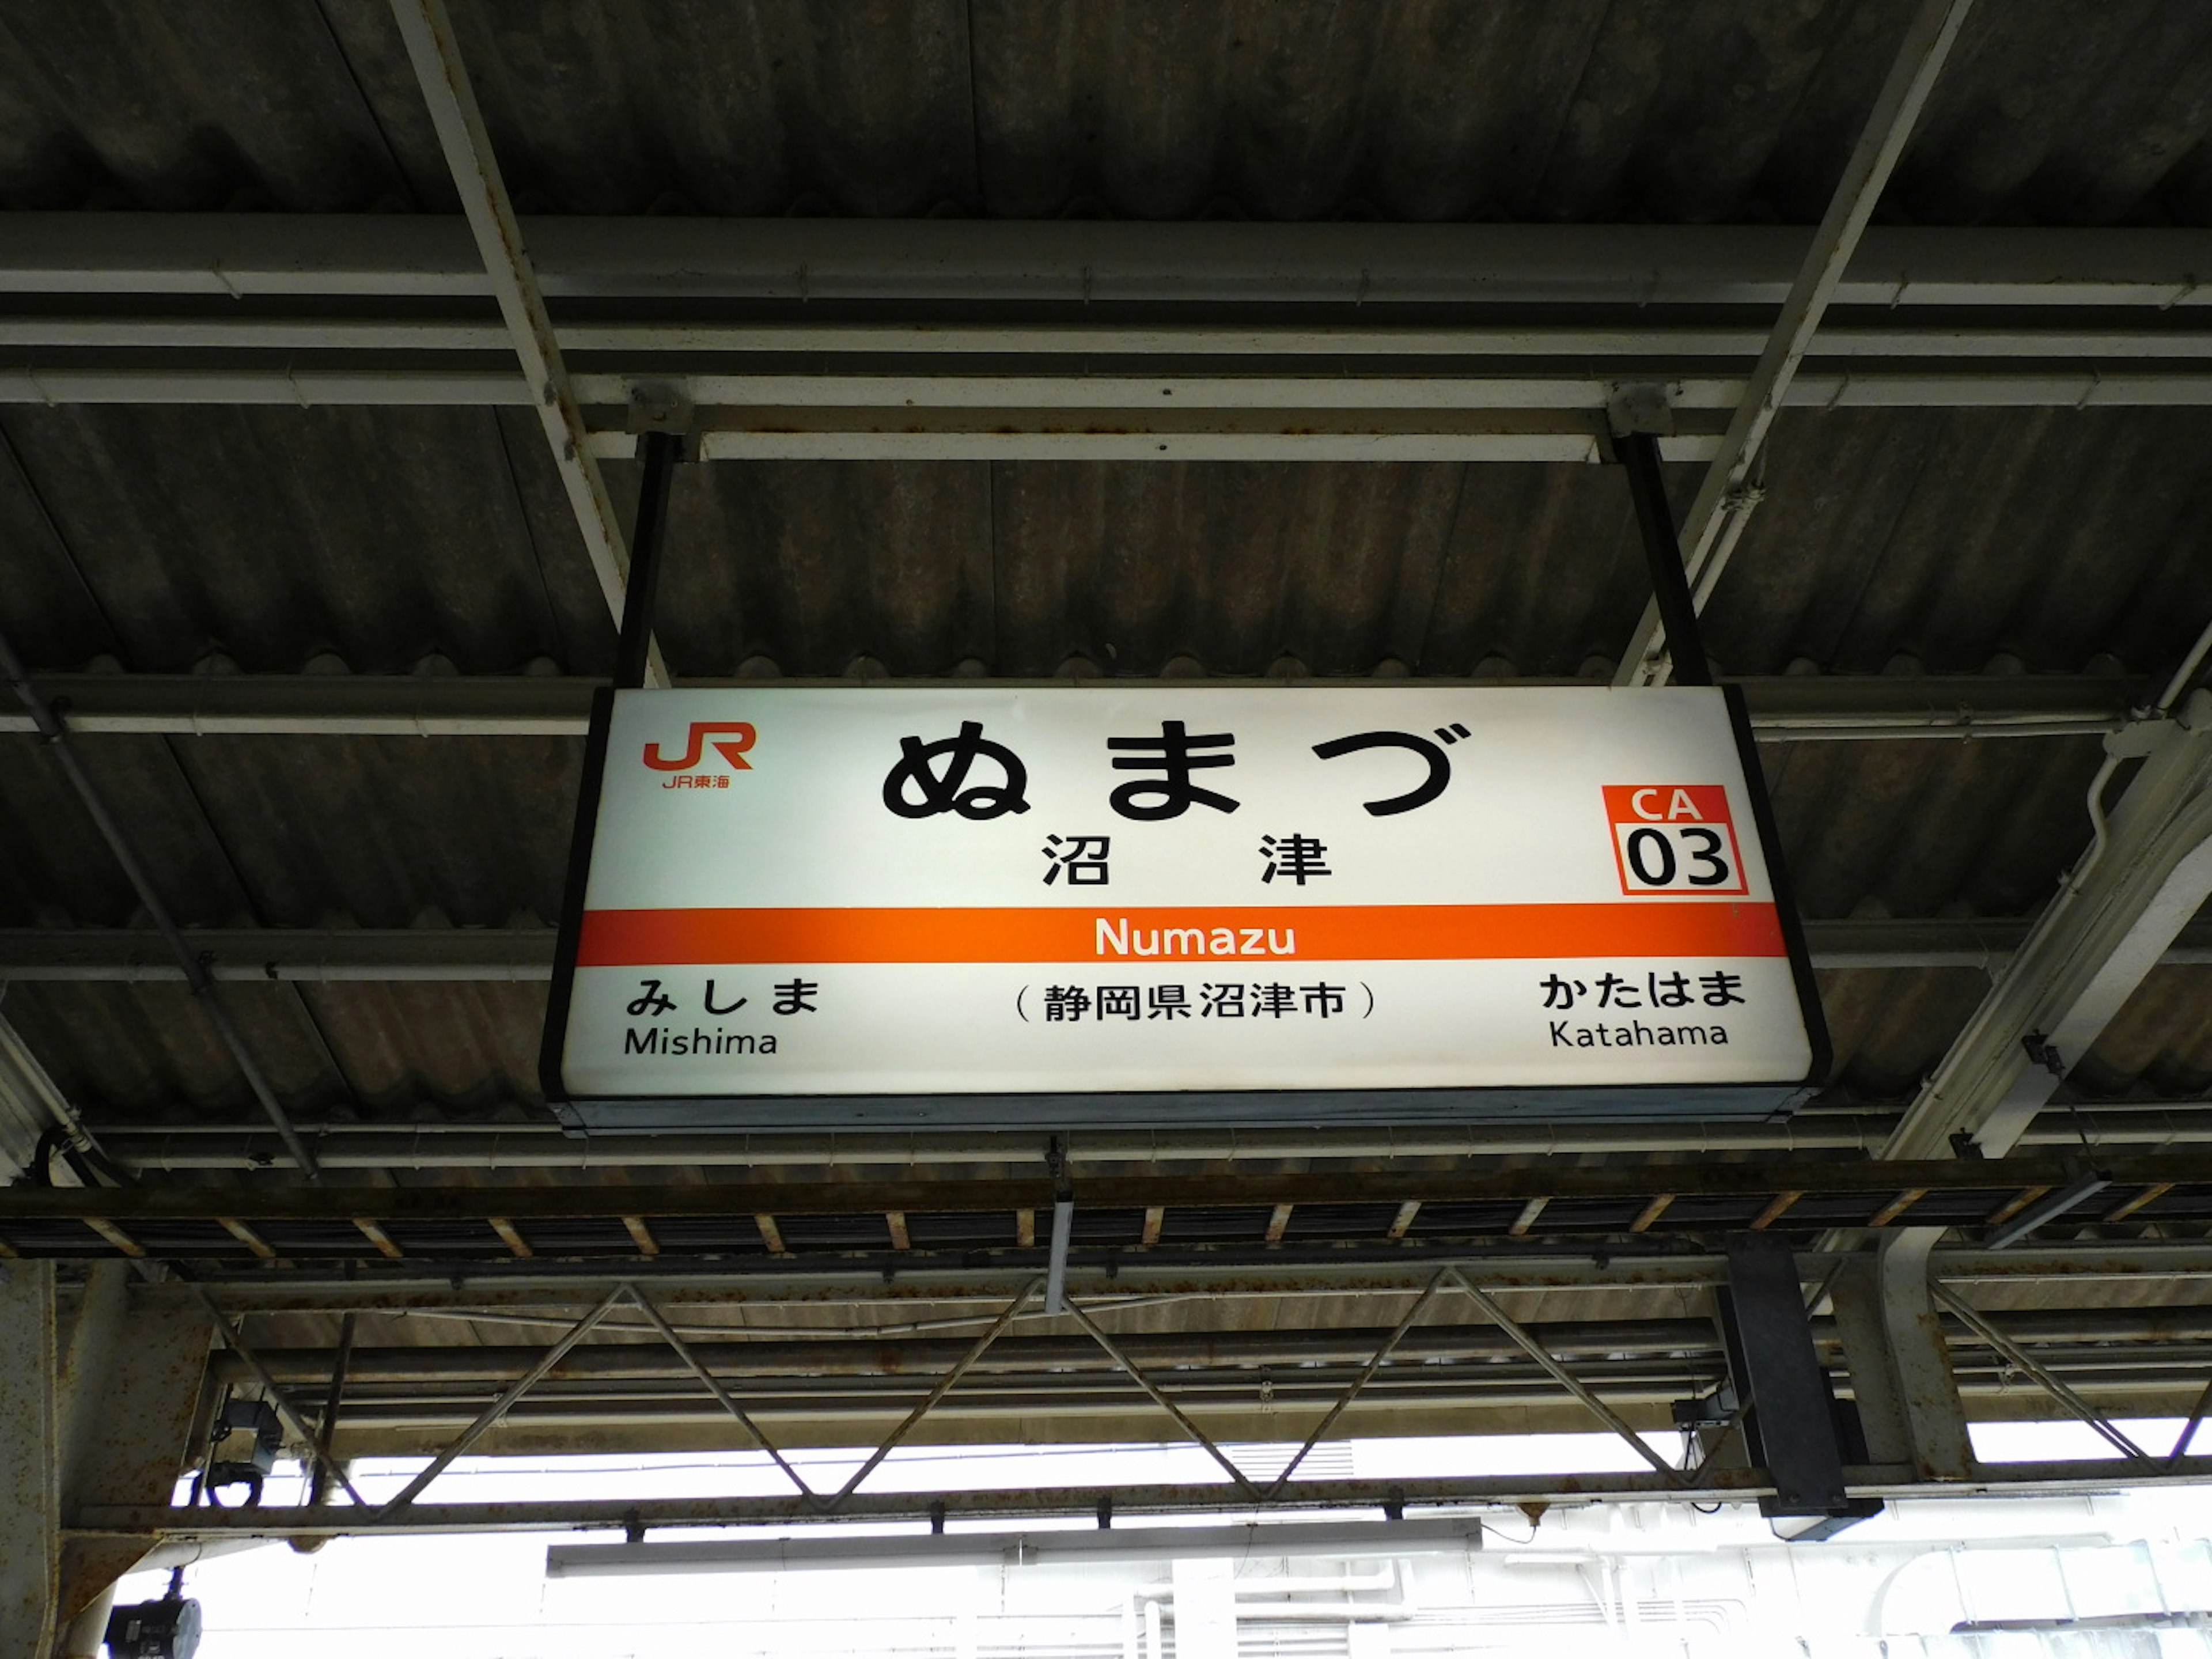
{"x": 1674, "y": 838}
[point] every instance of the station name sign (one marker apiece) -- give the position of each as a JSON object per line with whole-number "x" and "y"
{"x": 799, "y": 907}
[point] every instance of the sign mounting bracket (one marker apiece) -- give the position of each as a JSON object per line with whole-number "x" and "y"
{"x": 1639, "y": 451}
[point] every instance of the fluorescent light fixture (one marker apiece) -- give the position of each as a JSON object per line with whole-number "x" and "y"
{"x": 1339, "y": 1541}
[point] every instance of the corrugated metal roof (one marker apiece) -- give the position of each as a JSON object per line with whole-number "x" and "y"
{"x": 400, "y": 540}
{"x": 1577, "y": 111}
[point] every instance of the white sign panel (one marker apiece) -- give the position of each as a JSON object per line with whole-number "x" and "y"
{"x": 1413, "y": 900}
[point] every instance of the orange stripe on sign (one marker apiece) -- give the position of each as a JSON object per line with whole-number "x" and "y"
{"x": 1351, "y": 932}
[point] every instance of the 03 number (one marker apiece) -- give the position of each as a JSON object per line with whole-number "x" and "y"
{"x": 1678, "y": 855}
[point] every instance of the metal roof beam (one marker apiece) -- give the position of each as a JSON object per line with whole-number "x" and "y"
{"x": 1536, "y": 413}
{"x": 960, "y": 1193}
{"x": 1089, "y": 266}
{"x": 1714, "y": 521}
{"x": 1880, "y": 1480}
{"x": 1784, "y": 708}
{"x": 2146, "y": 875}
{"x": 435, "y": 53}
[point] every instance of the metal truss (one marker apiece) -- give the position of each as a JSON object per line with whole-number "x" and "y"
{"x": 590, "y": 1222}
{"x": 1184, "y": 1402}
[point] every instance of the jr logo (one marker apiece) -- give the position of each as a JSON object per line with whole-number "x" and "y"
{"x": 731, "y": 748}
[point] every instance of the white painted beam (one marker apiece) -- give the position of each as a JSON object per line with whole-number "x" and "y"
{"x": 1784, "y": 708}
{"x": 2116, "y": 916}
{"x": 434, "y": 51}
{"x": 1089, "y": 264}
{"x": 1705, "y": 536}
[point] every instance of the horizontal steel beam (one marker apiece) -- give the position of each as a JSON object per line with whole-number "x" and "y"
{"x": 2079, "y": 1336}
{"x": 1714, "y": 1485}
{"x": 1784, "y": 708}
{"x": 950, "y": 415}
{"x": 1657, "y": 348}
{"x": 152, "y": 1149}
{"x": 541, "y": 1288}
{"x": 1103, "y": 341}
{"x": 960, "y": 1193}
{"x": 136, "y": 955}
{"x": 1090, "y": 265}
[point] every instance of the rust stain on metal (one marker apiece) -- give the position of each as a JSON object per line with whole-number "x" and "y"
{"x": 1897, "y": 1207}
{"x": 896, "y": 1221}
{"x": 2149, "y": 1195}
{"x": 245, "y": 1235}
{"x": 1651, "y": 1212}
{"x": 1155, "y": 1218}
{"x": 115, "y": 1236}
{"x": 2013, "y": 1205}
{"x": 1775, "y": 1211}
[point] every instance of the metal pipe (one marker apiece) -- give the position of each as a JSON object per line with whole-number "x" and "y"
{"x": 2184, "y": 673}
{"x": 55, "y": 730}
{"x": 1335, "y": 1540}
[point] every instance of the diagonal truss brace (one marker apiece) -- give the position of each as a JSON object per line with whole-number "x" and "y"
{"x": 945, "y": 1386}
{"x": 2034, "y": 1368}
{"x": 290, "y": 1419}
{"x": 1526, "y": 1341}
{"x": 490, "y": 1416}
{"x": 1366, "y": 1374}
{"x": 722, "y": 1395}
{"x": 1159, "y": 1397}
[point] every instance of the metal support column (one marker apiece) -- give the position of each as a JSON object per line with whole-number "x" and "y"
{"x": 130, "y": 1377}
{"x": 30, "y": 1471}
{"x": 1912, "y": 1338}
